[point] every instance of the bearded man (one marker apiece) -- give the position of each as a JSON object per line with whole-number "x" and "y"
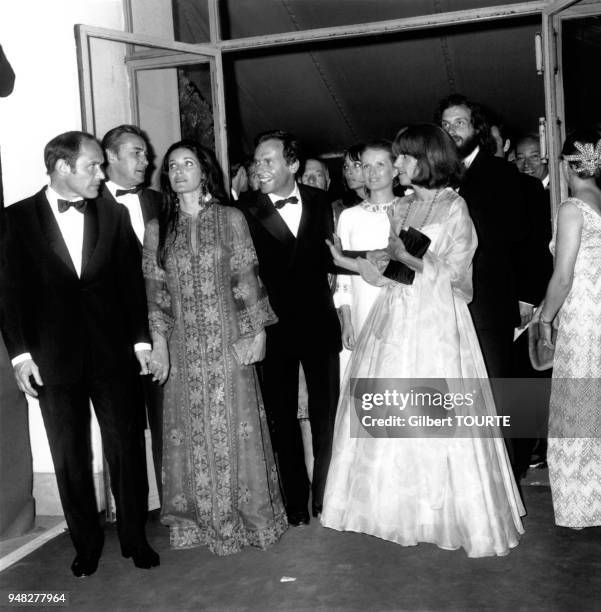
{"x": 491, "y": 189}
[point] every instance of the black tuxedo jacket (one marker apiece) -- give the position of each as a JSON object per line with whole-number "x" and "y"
{"x": 150, "y": 201}
{"x": 492, "y": 190}
{"x": 295, "y": 270}
{"x": 72, "y": 325}
{"x": 535, "y": 250}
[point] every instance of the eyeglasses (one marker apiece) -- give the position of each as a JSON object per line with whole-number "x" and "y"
{"x": 458, "y": 124}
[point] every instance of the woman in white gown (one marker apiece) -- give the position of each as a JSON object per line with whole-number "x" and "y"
{"x": 573, "y": 304}
{"x": 451, "y": 491}
{"x": 364, "y": 227}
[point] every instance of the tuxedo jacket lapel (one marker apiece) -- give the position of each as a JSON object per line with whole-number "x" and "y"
{"x": 90, "y": 234}
{"x": 266, "y": 213}
{"x": 52, "y": 233}
{"x": 148, "y": 211}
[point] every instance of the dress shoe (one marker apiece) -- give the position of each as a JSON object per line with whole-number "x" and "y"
{"x": 84, "y": 566}
{"x": 143, "y": 557}
{"x": 316, "y": 510}
{"x": 298, "y": 518}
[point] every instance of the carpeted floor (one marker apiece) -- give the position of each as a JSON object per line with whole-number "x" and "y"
{"x": 552, "y": 569}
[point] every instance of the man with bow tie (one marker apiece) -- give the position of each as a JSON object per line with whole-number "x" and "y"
{"x": 75, "y": 324}
{"x": 126, "y": 151}
{"x": 289, "y": 224}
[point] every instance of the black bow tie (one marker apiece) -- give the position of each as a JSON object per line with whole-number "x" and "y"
{"x": 121, "y": 192}
{"x": 64, "y": 205}
{"x": 281, "y": 203}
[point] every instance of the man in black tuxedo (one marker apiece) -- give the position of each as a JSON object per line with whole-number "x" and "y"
{"x": 126, "y": 151}
{"x": 534, "y": 176}
{"x": 491, "y": 189}
{"x": 75, "y": 321}
{"x": 502, "y": 298}
{"x": 289, "y": 224}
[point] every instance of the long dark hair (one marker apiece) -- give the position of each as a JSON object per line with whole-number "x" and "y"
{"x": 213, "y": 184}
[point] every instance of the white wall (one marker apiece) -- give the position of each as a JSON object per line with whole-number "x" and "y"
{"x": 38, "y": 39}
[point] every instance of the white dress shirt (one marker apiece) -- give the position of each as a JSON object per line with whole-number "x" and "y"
{"x": 70, "y": 224}
{"x": 131, "y": 201}
{"x": 467, "y": 162}
{"x": 291, "y": 213}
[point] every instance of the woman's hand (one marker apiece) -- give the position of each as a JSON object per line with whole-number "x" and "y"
{"x": 545, "y": 333}
{"x": 348, "y": 336}
{"x": 348, "y": 263}
{"x": 255, "y": 350}
{"x": 159, "y": 361}
{"x": 396, "y": 247}
{"x": 378, "y": 258}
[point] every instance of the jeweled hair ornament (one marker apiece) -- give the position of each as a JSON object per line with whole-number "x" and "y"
{"x": 589, "y": 156}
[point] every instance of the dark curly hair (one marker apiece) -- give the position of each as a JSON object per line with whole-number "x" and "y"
{"x": 478, "y": 114}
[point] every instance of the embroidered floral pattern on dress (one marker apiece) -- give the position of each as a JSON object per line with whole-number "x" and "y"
{"x": 218, "y": 447}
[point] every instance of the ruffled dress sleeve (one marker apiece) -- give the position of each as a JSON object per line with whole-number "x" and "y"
{"x": 160, "y": 311}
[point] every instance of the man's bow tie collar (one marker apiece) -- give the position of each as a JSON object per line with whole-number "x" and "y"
{"x": 64, "y": 205}
{"x": 121, "y": 192}
{"x": 281, "y": 203}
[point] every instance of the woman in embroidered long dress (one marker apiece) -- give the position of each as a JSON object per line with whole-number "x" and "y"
{"x": 364, "y": 227}
{"x": 572, "y": 305}
{"x": 208, "y": 310}
{"x": 451, "y": 491}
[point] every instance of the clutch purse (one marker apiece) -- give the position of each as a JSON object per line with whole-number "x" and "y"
{"x": 541, "y": 356}
{"x": 416, "y": 244}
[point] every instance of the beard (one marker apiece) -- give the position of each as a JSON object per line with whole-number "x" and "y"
{"x": 468, "y": 145}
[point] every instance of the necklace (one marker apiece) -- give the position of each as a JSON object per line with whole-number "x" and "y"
{"x": 428, "y": 213}
{"x": 382, "y": 207}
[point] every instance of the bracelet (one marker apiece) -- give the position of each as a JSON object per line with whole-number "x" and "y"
{"x": 544, "y": 321}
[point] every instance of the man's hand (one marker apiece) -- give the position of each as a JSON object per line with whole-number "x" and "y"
{"x": 23, "y": 373}
{"x": 159, "y": 362}
{"x": 143, "y": 358}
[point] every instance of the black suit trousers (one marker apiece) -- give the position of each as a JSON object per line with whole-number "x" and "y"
{"x": 153, "y": 400}
{"x": 66, "y": 414}
{"x": 279, "y": 381}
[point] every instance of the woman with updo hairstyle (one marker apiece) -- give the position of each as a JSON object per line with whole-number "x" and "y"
{"x": 569, "y": 321}
{"x": 207, "y": 311}
{"x": 394, "y": 474}
{"x": 363, "y": 227}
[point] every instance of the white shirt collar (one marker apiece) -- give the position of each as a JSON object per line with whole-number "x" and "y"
{"x": 112, "y": 187}
{"x": 546, "y": 181}
{"x": 294, "y": 193}
{"x": 467, "y": 162}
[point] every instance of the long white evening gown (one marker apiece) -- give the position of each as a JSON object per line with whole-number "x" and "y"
{"x": 454, "y": 492}
{"x": 364, "y": 227}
